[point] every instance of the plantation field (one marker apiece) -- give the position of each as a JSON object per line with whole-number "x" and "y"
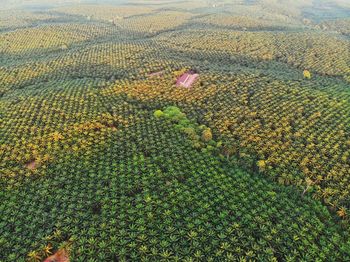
{"x": 106, "y": 157}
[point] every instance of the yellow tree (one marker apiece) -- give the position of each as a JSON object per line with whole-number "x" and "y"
{"x": 307, "y": 74}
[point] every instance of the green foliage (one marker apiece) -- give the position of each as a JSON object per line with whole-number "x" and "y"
{"x": 241, "y": 166}
{"x": 152, "y": 209}
{"x": 200, "y": 136}
{"x": 174, "y": 114}
{"x": 158, "y": 113}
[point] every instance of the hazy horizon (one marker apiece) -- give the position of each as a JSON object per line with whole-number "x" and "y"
{"x": 313, "y": 9}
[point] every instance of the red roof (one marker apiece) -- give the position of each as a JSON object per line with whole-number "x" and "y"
{"x": 186, "y": 80}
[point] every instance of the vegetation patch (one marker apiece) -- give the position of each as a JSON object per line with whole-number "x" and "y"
{"x": 200, "y": 135}
{"x": 113, "y": 148}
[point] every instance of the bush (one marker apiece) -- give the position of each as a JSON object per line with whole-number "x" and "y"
{"x": 207, "y": 135}
{"x": 158, "y": 113}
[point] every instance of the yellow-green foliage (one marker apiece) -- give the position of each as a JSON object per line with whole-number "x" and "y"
{"x": 104, "y": 12}
{"x": 237, "y": 21}
{"x": 298, "y": 129}
{"x": 50, "y": 36}
{"x": 207, "y": 135}
{"x": 110, "y": 56}
{"x": 199, "y": 135}
{"x": 20, "y": 18}
{"x": 100, "y": 147}
{"x": 319, "y": 52}
{"x": 307, "y": 74}
{"x": 154, "y": 23}
{"x": 339, "y": 25}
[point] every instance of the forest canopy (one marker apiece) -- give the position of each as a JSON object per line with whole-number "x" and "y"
{"x": 163, "y": 130}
